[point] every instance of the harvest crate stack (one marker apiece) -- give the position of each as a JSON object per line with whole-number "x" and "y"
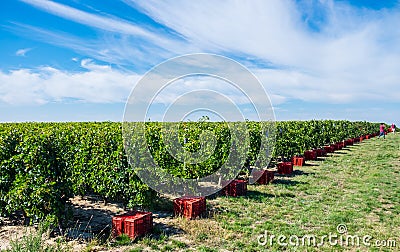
{"x": 270, "y": 176}
{"x": 349, "y": 142}
{"x": 298, "y": 161}
{"x": 321, "y": 152}
{"x": 285, "y": 168}
{"x": 339, "y": 146}
{"x": 189, "y": 207}
{"x": 262, "y": 176}
{"x": 235, "y": 189}
{"x": 133, "y": 224}
{"x": 328, "y": 149}
{"x": 310, "y": 155}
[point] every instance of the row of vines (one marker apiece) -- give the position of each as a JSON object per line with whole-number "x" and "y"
{"x": 42, "y": 165}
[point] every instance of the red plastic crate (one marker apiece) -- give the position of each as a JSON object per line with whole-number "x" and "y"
{"x": 310, "y": 155}
{"x": 235, "y": 188}
{"x": 119, "y": 221}
{"x": 238, "y": 188}
{"x": 315, "y": 154}
{"x": 339, "y": 146}
{"x": 298, "y": 161}
{"x": 118, "y": 224}
{"x": 294, "y": 161}
{"x": 349, "y": 142}
{"x": 328, "y": 149}
{"x": 189, "y": 206}
{"x": 225, "y": 187}
{"x": 285, "y": 168}
{"x": 261, "y": 175}
{"x": 138, "y": 225}
{"x": 270, "y": 176}
{"x": 321, "y": 152}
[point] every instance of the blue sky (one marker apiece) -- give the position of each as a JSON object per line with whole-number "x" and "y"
{"x": 78, "y": 60}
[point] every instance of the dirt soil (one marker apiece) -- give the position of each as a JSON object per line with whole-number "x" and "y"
{"x": 91, "y": 219}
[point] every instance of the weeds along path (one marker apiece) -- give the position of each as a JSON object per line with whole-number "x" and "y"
{"x": 358, "y": 186}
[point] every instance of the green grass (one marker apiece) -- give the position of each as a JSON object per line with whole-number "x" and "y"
{"x": 122, "y": 240}
{"x": 358, "y": 187}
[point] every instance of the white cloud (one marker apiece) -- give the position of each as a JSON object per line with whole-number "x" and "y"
{"x": 108, "y": 23}
{"x": 90, "y": 65}
{"x": 265, "y": 29}
{"x": 329, "y": 88}
{"x": 353, "y": 56}
{"x": 101, "y": 84}
{"x": 124, "y": 50}
{"x": 22, "y": 52}
{"x": 105, "y": 23}
{"x": 201, "y": 91}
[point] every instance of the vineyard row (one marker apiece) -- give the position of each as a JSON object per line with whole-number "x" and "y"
{"x": 44, "y": 164}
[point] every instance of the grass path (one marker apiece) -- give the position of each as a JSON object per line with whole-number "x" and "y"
{"x": 358, "y": 187}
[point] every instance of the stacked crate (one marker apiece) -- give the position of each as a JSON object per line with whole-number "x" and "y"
{"x": 189, "y": 207}
{"x": 321, "y": 152}
{"x": 329, "y": 149}
{"x": 238, "y": 188}
{"x": 133, "y": 224}
{"x": 235, "y": 188}
{"x": 310, "y": 155}
{"x": 298, "y": 161}
{"x": 339, "y": 146}
{"x": 285, "y": 168}
{"x": 138, "y": 226}
{"x": 349, "y": 142}
{"x": 261, "y": 175}
{"x": 270, "y": 176}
